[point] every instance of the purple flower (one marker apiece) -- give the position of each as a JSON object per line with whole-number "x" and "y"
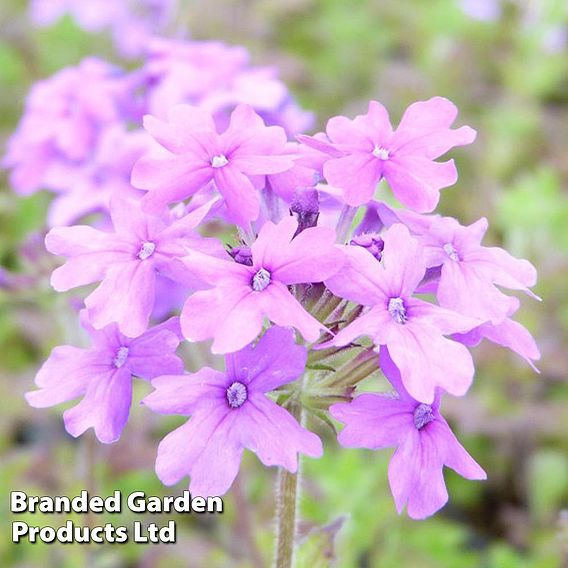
{"x": 470, "y": 272}
{"x": 127, "y": 261}
{"x": 199, "y": 155}
{"x": 423, "y": 440}
{"x": 217, "y": 78}
{"x": 233, "y": 311}
{"x": 102, "y": 375}
{"x": 230, "y": 412}
{"x": 63, "y": 117}
{"x": 412, "y": 329}
{"x": 366, "y": 149}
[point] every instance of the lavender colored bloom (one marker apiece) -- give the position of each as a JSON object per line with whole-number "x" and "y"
{"x": 102, "y": 374}
{"x": 217, "y": 78}
{"x": 127, "y": 261}
{"x": 423, "y": 440}
{"x": 470, "y": 272}
{"x": 233, "y": 311}
{"x": 366, "y": 149}
{"x": 230, "y": 412}
{"x": 412, "y": 329}
{"x": 60, "y": 128}
{"x": 199, "y": 155}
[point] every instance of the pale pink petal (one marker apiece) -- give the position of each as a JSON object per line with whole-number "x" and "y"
{"x": 446, "y": 321}
{"x": 360, "y": 278}
{"x": 464, "y": 289}
{"x": 183, "y": 394}
{"x": 254, "y": 165}
{"x": 242, "y": 200}
{"x": 375, "y": 324}
{"x": 64, "y": 376}
{"x": 205, "y": 311}
{"x": 347, "y": 136}
{"x": 240, "y": 326}
{"x": 374, "y": 421}
{"x": 126, "y": 296}
{"x": 274, "y": 361}
{"x": 272, "y": 240}
{"x": 180, "y": 451}
{"x": 214, "y": 270}
{"x": 283, "y": 309}
{"x": 437, "y": 143}
{"x": 504, "y": 269}
{"x": 403, "y": 261}
{"x": 416, "y": 181}
{"x": 181, "y": 133}
{"x": 516, "y": 337}
{"x": 311, "y": 257}
{"x": 357, "y": 175}
{"x": 428, "y": 493}
{"x": 105, "y": 407}
{"x": 261, "y": 422}
{"x": 452, "y": 452}
{"x": 375, "y": 124}
{"x": 427, "y": 360}
{"x": 153, "y": 354}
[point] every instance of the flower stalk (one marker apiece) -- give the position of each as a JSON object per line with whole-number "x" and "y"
{"x": 288, "y": 498}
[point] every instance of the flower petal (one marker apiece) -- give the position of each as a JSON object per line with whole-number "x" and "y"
{"x": 105, "y": 407}
{"x": 183, "y": 394}
{"x": 274, "y": 361}
{"x": 356, "y": 174}
{"x": 374, "y": 421}
{"x": 274, "y": 434}
{"x": 416, "y": 181}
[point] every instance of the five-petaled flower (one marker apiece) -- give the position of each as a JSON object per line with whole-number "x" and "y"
{"x": 127, "y": 261}
{"x": 423, "y": 440}
{"x": 365, "y": 150}
{"x": 235, "y": 160}
{"x": 230, "y": 412}
{"x": 103, "y": 373}
{"x": 232, "y": 312}
{"x": 412, "y": 329}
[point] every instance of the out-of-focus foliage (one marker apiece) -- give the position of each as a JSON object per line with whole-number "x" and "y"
{"x": 509, "y": 77}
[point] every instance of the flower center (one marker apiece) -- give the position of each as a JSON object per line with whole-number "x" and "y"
{"x": 397, "y": 310}
{"x": 450, "y": 250}
{"x": 261, "y": 280}
{"x": 219, "y": 161}
{"x": 146, "y": 250}
{"x": 120, "y": 357}
{"x": 381, "y": 153}
{"x": 236, "y": 394}
{"x": 423, "y": 414}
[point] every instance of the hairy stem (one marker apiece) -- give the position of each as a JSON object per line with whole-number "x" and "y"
{"x": 287, "y": 500}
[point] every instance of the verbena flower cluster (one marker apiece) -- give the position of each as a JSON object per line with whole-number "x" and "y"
{"x": 221, "y": 223}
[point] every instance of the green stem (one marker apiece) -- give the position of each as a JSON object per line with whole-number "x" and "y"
{"x": 288, "y": 497}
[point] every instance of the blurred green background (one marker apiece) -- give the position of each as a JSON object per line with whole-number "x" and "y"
{"x": 509, "y": 76}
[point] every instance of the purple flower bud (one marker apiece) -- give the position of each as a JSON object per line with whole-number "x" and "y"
{"x": 305, "y": 206}
{"x": 242, "y": 255}
{"x": 372, "y": 242}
